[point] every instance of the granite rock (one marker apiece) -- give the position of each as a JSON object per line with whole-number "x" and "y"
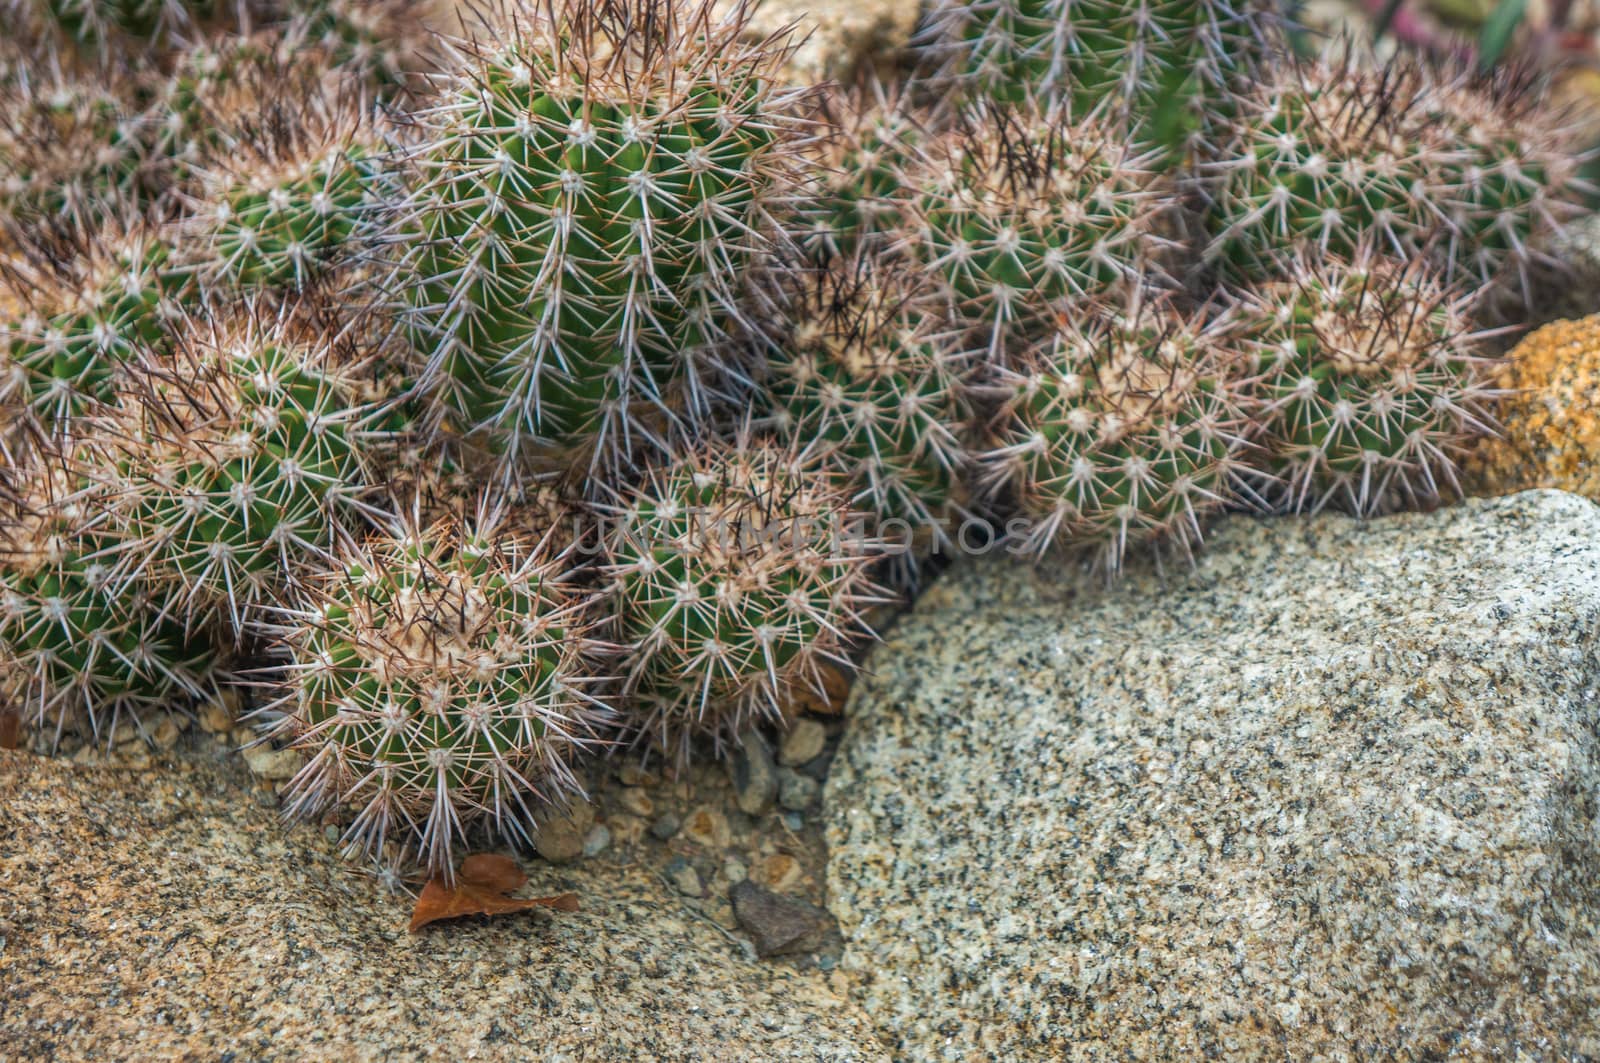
{"x": 1330, "y": 795}
{"x": 168, "y": 914}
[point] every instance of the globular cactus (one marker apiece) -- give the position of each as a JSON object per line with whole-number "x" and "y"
{"x": 1373, "y": 381}
{"x": 1019, "y": 208}
{"x": 84, "y": 304}
{"x": 1344, "y": 151}
{"x": 286, "y": 201}
{"x": 872, "y": 132}
{"x": 77, "y": 650}
{"x": 869, "y": 381}
{"x": 1127, "y": 425}
{"x": 71, "y": 146}
{"x": 238, "y": 456}
{"x": 1158, "y": 64}
{"x": 378, "y": 43}
{"x": 738, "y": 572}
{"x": 595, "y": 192}
{"x": 437, "y": 678}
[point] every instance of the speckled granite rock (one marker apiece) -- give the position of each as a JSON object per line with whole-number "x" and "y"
{"x": 1330, "y": 796}
{"x": 167, "y": 914}
{"x": 1550, "y": 433}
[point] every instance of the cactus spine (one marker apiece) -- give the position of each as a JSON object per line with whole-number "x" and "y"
{"x": 594, "y": 193}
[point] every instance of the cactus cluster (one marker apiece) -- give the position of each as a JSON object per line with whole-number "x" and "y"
{"x": 474, "y": 404}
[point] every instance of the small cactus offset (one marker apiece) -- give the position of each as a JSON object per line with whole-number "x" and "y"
{"x": 1341, "y": 152}
{"x": 436, "y": 679}
{"x": 1122, "y": 427}
{"x": 594, "y": 193}
{"x": 1372, "y": 380}
{"x": 239, "y": 457}
{"x": 287, "y": 200}
{"x": 737, "y": 573}
{"x": 868, "y": 382}
{"x": 1019, "y": 208}
{"x": 76, "y": 649}
{"x": 86, "y": 304}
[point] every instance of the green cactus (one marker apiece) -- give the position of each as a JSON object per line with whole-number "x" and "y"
{"x": 76, "y": 648}
{"x": 1342, "y": 152}
{"x": 1123, "y": 427}
{"x": 1018, "y": 210}
{"x": 737, "y": 574}
{"x": 437, "y": 678}
{"x": 867, "y": 381}
{"x": 1162, "y": 65}
{"x": 1372, "y": 381}
{"x": 595, "y": 194}
{"x": 239, "y": 457}
{"x": 288, "y": 201}
{"x": 873, "y": 131}
{"x": 80, "y": 310}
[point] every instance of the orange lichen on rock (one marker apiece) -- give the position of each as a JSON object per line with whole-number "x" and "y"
{"x": 1550, "y": 434}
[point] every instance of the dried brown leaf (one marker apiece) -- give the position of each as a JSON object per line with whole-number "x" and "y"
{"x": 481, "y": 886}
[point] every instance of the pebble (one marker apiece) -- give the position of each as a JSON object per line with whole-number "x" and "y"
{"x": 638, "y": 802}
{"x": 779, "y": 873}
{"x": 559, "y": 839}
{"x": 665, "y": 827}
{"x": 797, "y": 792}
{"x": 631, "y": 774}
{"x": 754, "y": 776}
{"x": 735, "y": 871}
{"x": 684, "y": 878}
{"x": 708, "y": 827}
{"x": 272, "y": 765}
{"x": 242, "y": 737}
{"x": 794, "y": 821}
{"x": 165, "y": 733}
{"x": 331, "y": 832}
{"x": 777, "y": 925}
{"x": 627, "y": 830}
{"x": 215, "y": 718}
{"x": 595, "y": 842}
{"x": 803, "y": 742}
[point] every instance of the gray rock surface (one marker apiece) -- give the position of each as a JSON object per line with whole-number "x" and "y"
{"x": 167, "y": 914}
{"x": 1330, "y": 795}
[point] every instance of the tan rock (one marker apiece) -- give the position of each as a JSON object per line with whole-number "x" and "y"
{"x": 708, "y": 827}
{"x": 841, "y": 36}
{"x": 272, "y": 765}
{"x": 1551, "y": 418}
{"x": 779, "y": 872}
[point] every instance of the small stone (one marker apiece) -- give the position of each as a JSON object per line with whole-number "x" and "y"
{"x": 638, "y": 802}
{"x": 272, "y": 765}
{"x": 794, "y": 821}
{"x": 735, "y": 871}
{"x": 242, "y": 737}
{"x": 684, "y": 878}
{"x": 754, "y": 776}
{"x": 778, "y": 926}
{"x": 631, "y": 774}
{"x": 595, "y": 842}
{"x": 126, "y": 732}
{"x": 138, "y": 759}
{"x": 797, "y": 792}
{"x": 803, "y": 742}
{"x": 708, "y": 827}
{"x": 665, "y": 827}
{"x": 331, "y": 832}
{"x": 626, "y": 830}
{"x": 88, "y": 754}
{"x": 165, "y": 733}
{"x": 780, "y": 872}
{"x": 827, "y": 962}
{"x": 559, "y": 838}
{"x": 215, "y": 719}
